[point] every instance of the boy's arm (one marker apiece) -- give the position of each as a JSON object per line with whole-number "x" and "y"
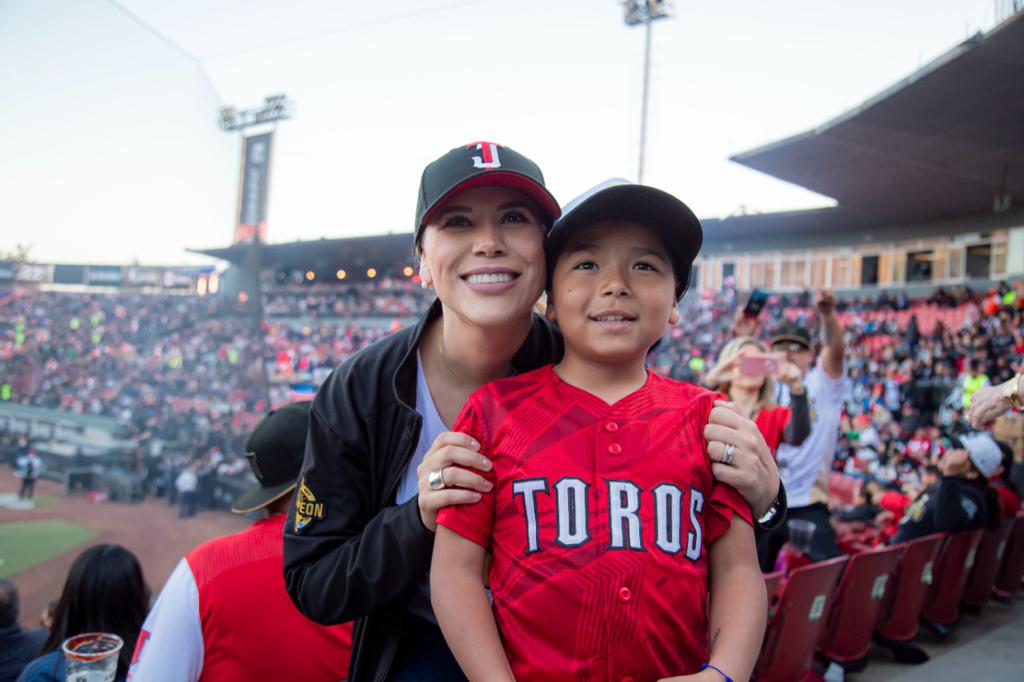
{"x": 462, "y": 609}
{"x": 739, "y": 606}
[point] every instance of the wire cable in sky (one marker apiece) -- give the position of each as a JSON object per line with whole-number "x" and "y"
{"x": 165, "y": 38}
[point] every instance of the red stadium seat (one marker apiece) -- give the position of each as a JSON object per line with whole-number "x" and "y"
{"x": 951, "y": 570}
{"x": 1009, "y": 576}
{"x": 858, "y": 600}
{"x": 986, "y": 565}
{"x": 795, "y": 625}
{"x": 898, "y": 618}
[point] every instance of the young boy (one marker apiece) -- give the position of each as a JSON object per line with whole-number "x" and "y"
{"x": 605, "y": 523}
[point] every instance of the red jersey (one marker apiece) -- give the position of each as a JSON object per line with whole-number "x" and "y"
{"x": 225, "y": 615}
{"x": 599, "y": 523}
{"x": 771, "y": 422}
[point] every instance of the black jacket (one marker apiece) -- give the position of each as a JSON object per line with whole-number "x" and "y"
{"x": 359, "y": 556}
{"x": 352, "y": 554}
{"x": 952, "y": 505}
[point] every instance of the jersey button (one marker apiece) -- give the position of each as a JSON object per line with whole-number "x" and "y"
{"x": 624, "y": 594}
{"x": 615, "y": 449}
{"x": 611, "y": 427}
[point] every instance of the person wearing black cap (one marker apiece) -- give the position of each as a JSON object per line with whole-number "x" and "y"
{"x": 224, "y": 613}
{"x": 805, "y": 467}
{"x": 623, "y": 451}
{"x": 379, "y": 458}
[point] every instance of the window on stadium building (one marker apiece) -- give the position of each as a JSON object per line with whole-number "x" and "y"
{"x": 998, "y": 259}
{"x": 728, "y": 271}
{"x": 919, "y": 266}
{"x": 793, "y": 271}
{"x": 869, "y": 270}
{"x": 841, "y": 272}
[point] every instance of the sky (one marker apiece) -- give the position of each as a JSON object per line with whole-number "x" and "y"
{"x": 111, "y": 152}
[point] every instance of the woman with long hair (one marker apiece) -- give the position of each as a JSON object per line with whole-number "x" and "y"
{"x": 380, "y": 459}
{"x": 753, "y": 393}
{"x": 104, "y": 592}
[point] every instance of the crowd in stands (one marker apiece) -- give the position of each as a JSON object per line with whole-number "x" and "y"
{"x": 196, "y": 373}
{"x": 193, "y": 374}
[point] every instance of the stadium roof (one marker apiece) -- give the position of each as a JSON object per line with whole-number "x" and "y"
{"x": 353, "y": 253}
{"x": 944, "y": 142}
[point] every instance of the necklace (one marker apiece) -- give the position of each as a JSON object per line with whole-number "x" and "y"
{"x": 444, "y": 357}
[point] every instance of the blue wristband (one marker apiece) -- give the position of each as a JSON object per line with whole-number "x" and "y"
{"x": 705, "y": 666}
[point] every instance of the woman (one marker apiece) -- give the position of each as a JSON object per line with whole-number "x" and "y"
{"x": 752, "y": 393}
{"x": 104, "y": 592}
{"x": 379, "y": 458}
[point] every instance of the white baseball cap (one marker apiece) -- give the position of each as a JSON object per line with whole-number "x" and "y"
{"x": 983, "y": 451}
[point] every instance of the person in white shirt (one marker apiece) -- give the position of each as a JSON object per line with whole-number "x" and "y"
{"x": 186, "y": 485}
{"x": 29, "y": 467}
{"x": 805, "y": 468}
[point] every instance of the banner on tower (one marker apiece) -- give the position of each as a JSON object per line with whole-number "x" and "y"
{"x": 252, "y": 195}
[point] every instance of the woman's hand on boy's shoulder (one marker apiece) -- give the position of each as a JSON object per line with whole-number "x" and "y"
{"x": 450, "y": 461}
{"x": 752, "y": 470}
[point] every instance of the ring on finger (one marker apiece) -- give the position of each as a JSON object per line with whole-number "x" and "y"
{"x": 436, "y": 479}
{"x": 730, "y": 453}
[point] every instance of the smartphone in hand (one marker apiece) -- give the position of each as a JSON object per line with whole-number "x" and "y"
{"x": 755, "y": 303}
{"x": 759, "y": 364}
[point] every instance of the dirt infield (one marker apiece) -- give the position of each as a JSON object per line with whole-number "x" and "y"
{"x": 150, "y": 529}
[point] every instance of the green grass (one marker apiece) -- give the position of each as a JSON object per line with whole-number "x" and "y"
{"x": 24, "y": 544}
{"x": 44, "y": 501}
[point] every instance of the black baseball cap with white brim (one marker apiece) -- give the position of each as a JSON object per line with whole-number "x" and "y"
{"x": 655, "y": 209}
{"x": 481, "y": 164}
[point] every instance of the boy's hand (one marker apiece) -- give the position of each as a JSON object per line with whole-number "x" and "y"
{"x": 752, "y": 471}
{"x": 825, "y": 302}
{"x": 452, "y": 455}
{"x": 703, "y": 676}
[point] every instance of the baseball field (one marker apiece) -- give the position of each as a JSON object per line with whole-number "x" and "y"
{"x": 38, "y": 544}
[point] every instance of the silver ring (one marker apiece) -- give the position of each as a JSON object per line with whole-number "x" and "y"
{"x": 436, "y": 479}
{"x": 730, "y": 453}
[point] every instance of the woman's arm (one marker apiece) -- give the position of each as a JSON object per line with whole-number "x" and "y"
{"x": 460, "y": 603}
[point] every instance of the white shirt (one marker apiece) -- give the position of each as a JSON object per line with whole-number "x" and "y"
{"x": 432, "y": 427}
{"x": 177, "y": 654}
{"x": 800, "y": 467}
{"x": 187, "y": 481}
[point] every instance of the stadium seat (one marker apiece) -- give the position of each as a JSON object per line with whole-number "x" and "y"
{"x": 898, "y": 617}
{"x": 858, "y": 600}
{"x": 942, "y": 606}
{"x": 1009, "y": 576}
{"x": 796, "y": 623}
{"x": 986, "y": 565}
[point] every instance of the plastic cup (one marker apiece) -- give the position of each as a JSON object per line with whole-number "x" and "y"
{"x": 801, "y": 533}
{"x": 92, "y": 657}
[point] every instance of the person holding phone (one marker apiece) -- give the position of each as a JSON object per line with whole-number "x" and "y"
{"x": 746, "y": 374}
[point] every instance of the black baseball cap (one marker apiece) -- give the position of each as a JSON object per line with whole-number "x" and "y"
{"x": 275, "y": 451}
{"x": 657, "y": 210}
{"x": 480, "y": 164}
{"x": 792, "y": 333}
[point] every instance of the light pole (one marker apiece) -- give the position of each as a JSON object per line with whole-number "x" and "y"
{"x": 636, "y": 12}
{"x": 252, "y": 201}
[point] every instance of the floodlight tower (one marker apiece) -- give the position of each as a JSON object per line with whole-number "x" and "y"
{"x": 635, "y": 13}
{"x": 251, "y": 223}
